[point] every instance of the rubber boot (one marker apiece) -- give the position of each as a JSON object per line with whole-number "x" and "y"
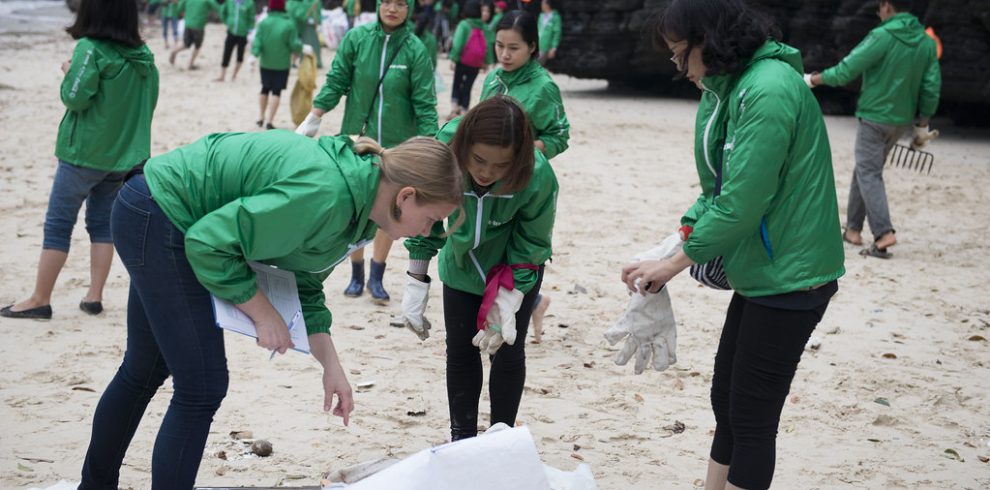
{"x": 356, "y": 287}
{"x": 375, "y": 283}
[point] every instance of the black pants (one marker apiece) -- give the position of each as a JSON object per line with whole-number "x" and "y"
{"x": 463, "y": 81}
{"x": 464, "y": 369}
{"x": 228, "y": 49}
{"x": 757, "y": 357}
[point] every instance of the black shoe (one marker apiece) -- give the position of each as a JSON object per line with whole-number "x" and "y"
{"x": 91, "y": 307}
{"x": 356, "y": 286}
{"x": 269, "y": 126}
{"x": 259, "y": 123}
{"x": 43, "y": 312}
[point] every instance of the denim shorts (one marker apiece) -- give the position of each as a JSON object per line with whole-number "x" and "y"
{"x": 73, "y": 185}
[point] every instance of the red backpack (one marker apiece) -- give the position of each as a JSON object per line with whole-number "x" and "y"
{"x": 473, "y": 54}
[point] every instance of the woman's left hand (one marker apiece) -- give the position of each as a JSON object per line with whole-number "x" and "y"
{"x": 653, "y": 274}
{"x": 335, "y": 383}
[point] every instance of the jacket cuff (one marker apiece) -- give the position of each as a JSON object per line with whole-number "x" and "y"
{"x": 242, "y": 296}
{"x": 419, "y": 266}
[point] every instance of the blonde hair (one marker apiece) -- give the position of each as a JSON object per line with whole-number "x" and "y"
{"x": 425, "y": 164}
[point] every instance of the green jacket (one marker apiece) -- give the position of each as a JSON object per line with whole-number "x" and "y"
{"x": 109, "y": 93}
{"x": 275, "y": 197}
{"x": 169, "y": 9}
{"x": 549, "y": 32}
{"x": 538, "y": 94}
{"x": 275, "y": 40}
{"x": 302, "y": 11}
{"x": 498, "y": 229}
{"x": 901, "y": 77}
{"x": 196, "y": 12}
{"x": 493, "y": 23}
{"x": 406, "y": 104}
{"x": 239, "y": 17}
{"x": 430, "y": 43}
{"x": 776, "y": 221}
{"x": 463, "y": 33}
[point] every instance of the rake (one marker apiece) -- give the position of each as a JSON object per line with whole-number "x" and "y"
{"x": 906, "y": 157}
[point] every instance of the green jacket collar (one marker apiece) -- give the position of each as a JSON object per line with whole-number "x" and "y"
{"x": 771, "y": 49}
{"x": 905, "y": 28}
{"x": 524, "y": 74}
{"x": 361, "y": 176}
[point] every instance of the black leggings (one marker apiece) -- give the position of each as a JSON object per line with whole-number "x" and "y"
{"x": 757, "y": 356}
{"x": 464, "y": 369}
{"x": 464, "y": 77}
{"x": 228, "y": 49}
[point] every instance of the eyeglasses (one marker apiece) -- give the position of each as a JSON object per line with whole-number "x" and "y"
{"x": 398, "y": 5}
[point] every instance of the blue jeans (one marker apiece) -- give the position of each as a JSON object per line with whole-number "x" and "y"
{"x": 174, "y": 22}
{"x": 171, "y": 330}
{"x": 73, "y": 185}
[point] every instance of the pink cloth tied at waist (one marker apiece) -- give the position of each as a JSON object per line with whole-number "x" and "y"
{"x": 499, "y": 276}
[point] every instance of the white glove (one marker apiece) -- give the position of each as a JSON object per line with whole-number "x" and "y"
{"x": 922, "y": 135}
{"x": 650, "y": 331}
{"x": 501, "y": 322}
{"x": 252, "y": 61}
{"x": 309, "y": 126}
{"x": 414, "y": 300}
{"x": 648, "y": 324}
{"x": 807, "y": 80}
{"x": 308, "y": 50}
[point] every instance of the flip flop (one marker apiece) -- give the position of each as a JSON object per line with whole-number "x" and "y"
{"x": 874, "y": 251}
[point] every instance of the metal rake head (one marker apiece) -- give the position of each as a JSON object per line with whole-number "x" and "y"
{"x": 910, "y": 158}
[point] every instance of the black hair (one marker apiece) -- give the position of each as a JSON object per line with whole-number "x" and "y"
{"x": 472, "y": 9}
{"x": 729, "y": 32}
{"x": 525, "y": 24}
{"x": 899, "y": 5}
{"x": 107, "y": 20}
{"x": 551, "y": 3}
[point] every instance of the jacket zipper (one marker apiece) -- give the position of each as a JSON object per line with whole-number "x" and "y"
{"x": 381, "y": 87}
{"x": 477, "y": 229}
{"x": 708, "y": 128}
{"x": 237, "y": 16}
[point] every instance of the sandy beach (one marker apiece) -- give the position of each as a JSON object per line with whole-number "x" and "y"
{"x": 901, "y": 376}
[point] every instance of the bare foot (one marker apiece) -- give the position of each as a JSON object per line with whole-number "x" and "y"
{"x": 854, "y": 237}
{"x": 887, "y": 240}
{"x": 219, "y": 79}
{"x": 171, "y": 57}
{"x": 538, "y": 313}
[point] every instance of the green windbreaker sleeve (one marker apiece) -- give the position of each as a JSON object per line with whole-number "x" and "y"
{"x": 82, "y": 81}
{"x": 751, "y": 174}
{"x": 314, "y": 301}
{"x": 426, "y": 247}
{"x": 550, "y": 121}
{"x": 866, "y": 54}
{"x": 532, "y": 232}
{"x": 931, "y": 87}
{"x": 696, "y": 211}
{"x": 295, "y": 42}
{"x": 259, "y": 41}
{"x": 338, "y": 81}
{"x": 555, "y": 30}
{"x": 461, "y": 35}
{"x": 424, "y": 95}
{"x": 268, "y": 225}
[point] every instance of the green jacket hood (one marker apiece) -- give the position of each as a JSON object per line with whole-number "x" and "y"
{"x": 776, "y": 50}
{"x": 409, "y": 14}
{"x": 140, "y": 57}
{"x": 905, "y": 28}
{"x": 358, "y": 179}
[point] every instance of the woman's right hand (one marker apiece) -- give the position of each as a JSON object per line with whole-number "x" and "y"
{"x": 273, "y": 334}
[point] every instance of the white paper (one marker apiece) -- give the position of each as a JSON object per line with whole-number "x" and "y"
{"x": 280, "y": 288}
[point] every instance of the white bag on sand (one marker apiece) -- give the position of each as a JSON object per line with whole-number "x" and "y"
{"x": 494, "y": 461}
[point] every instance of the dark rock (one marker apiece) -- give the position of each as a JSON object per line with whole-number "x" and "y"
{"x": 612, "y": 40}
